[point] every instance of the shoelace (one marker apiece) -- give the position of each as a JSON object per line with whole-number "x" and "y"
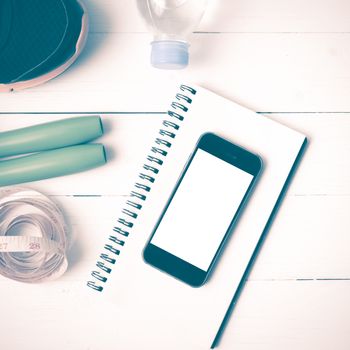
{"x": 33, "y": 236}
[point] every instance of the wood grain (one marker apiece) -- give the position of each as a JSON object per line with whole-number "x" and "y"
{"x": 288, "y": 60}
{"x": 267, "y": 72}
{"x": 226, "y": 16}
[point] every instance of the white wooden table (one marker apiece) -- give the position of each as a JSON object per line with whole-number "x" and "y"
{"x": 287, "y": 59}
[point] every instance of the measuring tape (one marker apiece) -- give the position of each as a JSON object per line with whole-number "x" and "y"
{"x": 33, "y": 236}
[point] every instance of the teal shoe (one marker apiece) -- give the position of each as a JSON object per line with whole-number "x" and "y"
{"x": 39, "y": 39}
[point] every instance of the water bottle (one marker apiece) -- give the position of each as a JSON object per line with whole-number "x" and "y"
{"x": 171, "y": 22}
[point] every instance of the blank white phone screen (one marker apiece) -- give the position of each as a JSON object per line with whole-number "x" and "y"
{"x": 202, "y": 209}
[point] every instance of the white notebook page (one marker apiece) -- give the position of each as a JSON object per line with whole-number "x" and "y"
{"x": 154, "y": 309}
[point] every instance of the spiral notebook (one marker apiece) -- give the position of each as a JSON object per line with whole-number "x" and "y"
{"x": 152, "y": 309}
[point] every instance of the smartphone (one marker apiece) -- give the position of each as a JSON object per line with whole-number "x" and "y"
{"x": 202, "y": 209}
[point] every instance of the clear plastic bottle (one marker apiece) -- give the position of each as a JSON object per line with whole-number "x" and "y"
{"x": 171, "y": 22}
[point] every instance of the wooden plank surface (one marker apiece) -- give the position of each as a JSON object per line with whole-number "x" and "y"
{"x": 222, "y": 16}
{"x": 289, "y": 60}
{"x": 324, "y": 170}
{"x": 268, "y": 72}
{"x": 291, "y": 315}
{"x": 300, "y": 247}
{"x": 320, "y": 189}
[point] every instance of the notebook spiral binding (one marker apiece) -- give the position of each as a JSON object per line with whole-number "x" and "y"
{"x": 138, "y": 195}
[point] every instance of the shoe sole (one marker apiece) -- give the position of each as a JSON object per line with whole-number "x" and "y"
{"x": 21, "y": 85}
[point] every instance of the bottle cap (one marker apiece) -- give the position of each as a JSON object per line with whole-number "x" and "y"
{"x": 169, "y": 54}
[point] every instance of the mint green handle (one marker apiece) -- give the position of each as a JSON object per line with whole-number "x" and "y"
{"x": 52, "y": 163}
{"x": 56, "y": 134}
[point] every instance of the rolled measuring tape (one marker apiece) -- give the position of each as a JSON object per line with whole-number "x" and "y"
{"x": 33, "y": 236}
